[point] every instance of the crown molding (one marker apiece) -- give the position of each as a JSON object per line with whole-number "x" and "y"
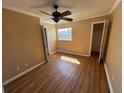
{"x": 114, "y": 6}
{"x": 20, "y": 11}
{"x": 85, "y": 18}
{"x": 25, "y": 12}
{"x": 31, "y": 14}
{"x": 76, "y": 20}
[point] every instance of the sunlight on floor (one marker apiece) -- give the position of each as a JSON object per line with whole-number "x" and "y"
{"x": 70, "y": 59}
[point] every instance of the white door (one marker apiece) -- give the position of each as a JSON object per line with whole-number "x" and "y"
{"x": 103, "y": 41}
{"x": 44, "y": 43}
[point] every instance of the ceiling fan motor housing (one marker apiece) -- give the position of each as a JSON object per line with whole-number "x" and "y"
{"x": 57, "y": 16}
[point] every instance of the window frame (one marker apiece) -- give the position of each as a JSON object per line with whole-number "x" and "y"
{"x": 64, "y": 39}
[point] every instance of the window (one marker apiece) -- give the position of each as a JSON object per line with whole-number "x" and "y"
{"x": 65, "y": 34}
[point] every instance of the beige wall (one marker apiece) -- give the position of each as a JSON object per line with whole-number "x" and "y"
{"x": 22, "y": 43}
{"x": 114, "y": 51}
{"x": 51, "y": 36}
{"x": 81, "y": 36}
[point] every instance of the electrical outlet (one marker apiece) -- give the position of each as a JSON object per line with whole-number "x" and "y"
{"x": 112, "y": 77}
{"x": 18, "y": 68}
{"x": 26, "y": 65}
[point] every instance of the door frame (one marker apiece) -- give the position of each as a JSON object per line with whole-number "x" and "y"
{"x": 46, "y": 39}
{"x": 91, "y": 36}
{"x": 44, "y": 42}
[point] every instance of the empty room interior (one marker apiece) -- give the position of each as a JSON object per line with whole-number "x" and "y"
{"x": 62, "y": 46}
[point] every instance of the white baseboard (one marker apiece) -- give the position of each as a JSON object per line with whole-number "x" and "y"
{"x": 108, "y": 78}
{"x": 53, "y": 52}
{"x": 74, "y": 53}
{"x": 21, "y": 74}
{"x": 3, "y": 90}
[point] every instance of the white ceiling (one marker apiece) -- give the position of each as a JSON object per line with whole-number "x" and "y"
{"x": 80, "y": 9}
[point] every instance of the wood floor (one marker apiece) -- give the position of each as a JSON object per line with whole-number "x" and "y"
{"x": 64, "y": 73}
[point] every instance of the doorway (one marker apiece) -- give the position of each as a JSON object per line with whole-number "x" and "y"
{"x": 97, "y": 38}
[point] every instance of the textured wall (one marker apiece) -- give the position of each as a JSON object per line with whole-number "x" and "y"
{"x": 22, "y": 43}
{"x": 81, "y": 36}
{"x": 114, "y": 50}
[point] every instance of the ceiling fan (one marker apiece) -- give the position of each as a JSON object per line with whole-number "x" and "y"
{"x": 57, "y": 16}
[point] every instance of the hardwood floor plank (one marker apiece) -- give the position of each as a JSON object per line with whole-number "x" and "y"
{"x": 64, "y": 73}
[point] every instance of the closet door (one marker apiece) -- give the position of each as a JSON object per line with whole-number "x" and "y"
{"x": 103, "y": 41}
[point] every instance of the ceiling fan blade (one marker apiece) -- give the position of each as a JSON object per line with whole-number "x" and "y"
{"x": 66, "y": 13}
{"x": 45, "y": 13}
{"x": 67, "y": 19}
